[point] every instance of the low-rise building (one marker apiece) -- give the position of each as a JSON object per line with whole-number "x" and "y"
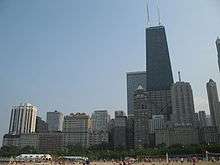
{"x": 11, "y": 140}
{"x": 49, "y": 142}
{"x": 209, "y": 135}
{"x": 31, "y": 139}
{"x": 98, "y": 137}
{"x": 184, "y": 135}
{"x": 75, "y": 139}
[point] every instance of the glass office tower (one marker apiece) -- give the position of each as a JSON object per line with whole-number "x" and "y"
{"x": 158, "y": 66}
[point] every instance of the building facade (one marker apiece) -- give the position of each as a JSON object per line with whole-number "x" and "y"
{"x": 30, "y": 139}
{"x": 23, "y": 119}
{"x": 76, "y": 129}
{"x": 218, "y": 50}
{"x": 157, "y": 122}
{"x": 209, "y": 135}
{"x": 134, "y": 79}
{"x": 117, "y": 128}
{"x": 98, "y": 137}
{"x": 130, "y": 132}
{"x": 214, "y": 104}
{"x": 184, "y": 135}
{"x": 182, "y": 103}
{"x": 41, "y": 125}
{"x": 141, "y": 119}
{"x": 159, "y": 77}
{"x": 51, "y": 141}
{"x": 202, "y": 119}
{"x": 99, "y": 120}
{"x": 11, "y": 140}
{"x": 158, "y": 66}
{"x": 55, "y": 121}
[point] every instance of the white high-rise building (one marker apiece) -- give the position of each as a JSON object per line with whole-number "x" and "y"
{"x": 23, "y": 119}
{"x": 55, "y": 121}
{"x": 214, "y": 104}
{"x": 182, "y": 103}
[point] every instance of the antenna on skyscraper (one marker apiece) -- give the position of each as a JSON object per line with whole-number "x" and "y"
{"x": 179, "y": 76}
{"x": 158, "y": 12}
{"x": 148, "y": 14}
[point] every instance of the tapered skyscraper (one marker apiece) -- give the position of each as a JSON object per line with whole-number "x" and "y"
{"x": 218, "y": 50}
{"x": 159, "y": 77}
{"x": 158, "y": 66}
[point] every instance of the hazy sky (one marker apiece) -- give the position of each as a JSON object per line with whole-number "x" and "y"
{"x": 73, "y": 55}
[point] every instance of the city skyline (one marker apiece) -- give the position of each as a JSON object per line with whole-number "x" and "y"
{"x": 75, "y": 90}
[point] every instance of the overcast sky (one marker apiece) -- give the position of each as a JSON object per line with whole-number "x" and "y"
{"x": 73, "y": 55}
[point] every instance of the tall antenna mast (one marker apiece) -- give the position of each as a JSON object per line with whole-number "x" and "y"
{"x": 148, "y": 14}
{"x": 179, "y": 76}
{"x": 158, "y": 12}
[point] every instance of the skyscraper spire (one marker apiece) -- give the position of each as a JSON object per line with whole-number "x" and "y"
{"x": 158, "y": 12}
{"x": 148, "y": 13}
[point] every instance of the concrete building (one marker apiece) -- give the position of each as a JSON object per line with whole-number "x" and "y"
{"x": 98, "y": 137}
{"x": 182, "y": 103}
{"x": 218, "y": 50}
{"x": 117, "y": 130}
{"x": 51, "y": 141}
{"x": 78, "y": 122}
{"x": 119, "y": 133}
{"x": 99, "y": 120}
{"x": 98, "y": 134}
{"x": 134, "y": 79}
{"x": 214, "y": 104}
{"x": 209, "y": 135}
{"x": 202, "y": 119}
{"x": 80, "y": 139}
{"x": 23, "y": 119}
{"x": 41, "y": 125}
{"x": 119, "y": 114}
{"x": 157, "y": 122}
{"x": 76, "y": 129}
{"x": 130, "y": 132}
{"x": 11, "y": 140}
{"x": 55, "y": 121}
{"x": 208, "y": 120}
{"x": 196, "y": 120}
{"x": 31, "y": 139}
{"x": 141, "y": 119}
{"x": 184, "y": 135}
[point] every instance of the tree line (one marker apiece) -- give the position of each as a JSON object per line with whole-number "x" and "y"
{"x": 101, "y": 152}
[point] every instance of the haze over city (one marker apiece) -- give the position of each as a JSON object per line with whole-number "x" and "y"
{"x": 73, "y": 56}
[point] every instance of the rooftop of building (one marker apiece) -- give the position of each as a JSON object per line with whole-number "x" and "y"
{"x": 155, "y": 27}
{"x": 77, "y": 115}
{"x": 136, "y": 72}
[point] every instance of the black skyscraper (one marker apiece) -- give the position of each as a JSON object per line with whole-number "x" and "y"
{"x": 218, "y": 49}
{"x": 159, "y": 77}
{"x": 158, "y": 67}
